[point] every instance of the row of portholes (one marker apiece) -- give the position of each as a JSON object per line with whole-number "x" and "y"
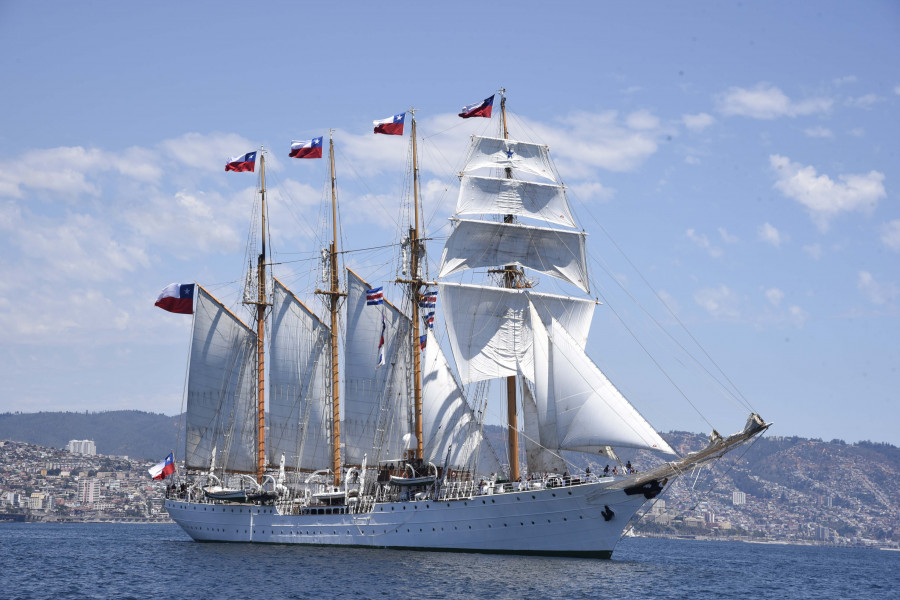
{"x": 465, "y": 503}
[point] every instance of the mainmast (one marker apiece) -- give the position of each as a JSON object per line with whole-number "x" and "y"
{"x": 261, "y": 330}
{"x": 512, "y": 278}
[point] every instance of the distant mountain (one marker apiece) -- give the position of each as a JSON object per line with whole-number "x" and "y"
{"x": 132, "y": 433}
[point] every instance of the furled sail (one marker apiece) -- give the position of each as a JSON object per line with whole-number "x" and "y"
{"x": 576, "y": 399}
{"x": 555, "y": 252}
{"x": 376, "y": 397}
{"x": 499, "y": 153}
{"x": 493, "y": 195}
{"x": 221, "y": 403}
{"x": 490, "y": 333}
{"x": 299, "y": 359}
{"x": 448, "y": 423}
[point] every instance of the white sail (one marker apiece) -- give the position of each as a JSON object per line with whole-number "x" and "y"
{"x": 490, "y": 333}
{"x": 555, "y": 252}
{"x": 299, "y": 358}
{"x": 376, "y": 398}
{"x": 493, "y": 195}
{"x": 447, "y": 421}
{"x": 221, "y": 398}
{"x": 540, "y": 456}
{"x": 577, "y": 400}
{"x": 488, "y": 153}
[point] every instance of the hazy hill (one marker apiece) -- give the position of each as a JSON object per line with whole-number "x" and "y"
{"x": 131, "y": 433}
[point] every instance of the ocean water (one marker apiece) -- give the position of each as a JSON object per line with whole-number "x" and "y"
{"x": 45, "y": 561}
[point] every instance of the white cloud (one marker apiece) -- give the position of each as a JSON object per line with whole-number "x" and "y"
{"x": 890, "y": 235}
{"x": 814, "y": 251}
{"x": 720, "y": 302}
{"x": 877, "y": 292}
{"x": 698, "y": 122}
{"x": 797, "y": 315}
{"x": 642, "y": 120}
{"x": 857, "y": 132}
{"x": 703, "y": 242}
{"x": 727, "y": 237}
{"x": 866, "y": 102}
{"x": 897, "y": 89}
{"x": 591, "y": 190}
{"x": 844, "y": 80}
{"x": 766, "y": 101}
{"x": 774, "y": 296}
{"x": 818, "y": 132}
{"x": 769, "y": 234}
{"x": 823, "y": 197}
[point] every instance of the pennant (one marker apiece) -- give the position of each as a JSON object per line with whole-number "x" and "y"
{"x": 163, "y": 469}
{"x": 381, "y": 342}
{"x": 429, "y": 320}
{"x": 307, "y": 149}
{"x": 479, "y": 109}
{"x": 375, "y": 296}
{"x": 244, "y": 162}
{"x": 391, "y": 126}
{"x": 429, "y": 298}
{"x": 423, "y": 340}
{"x": 177, "y": 298}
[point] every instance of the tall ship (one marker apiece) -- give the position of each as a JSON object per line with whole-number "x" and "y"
{"x": 361, "y": 426}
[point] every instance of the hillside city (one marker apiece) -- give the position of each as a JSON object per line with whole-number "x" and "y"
{"x": 78, "y": 485}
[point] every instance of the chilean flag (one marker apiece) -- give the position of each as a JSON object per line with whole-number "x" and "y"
{"x": 177, "y": 298}
{"x": 479, "y": 109}
{"x": 245, "y": 162}
{"x": 163, "y": 469}
{"x": 391, "y": 126}
{"x": 308, "y": 149}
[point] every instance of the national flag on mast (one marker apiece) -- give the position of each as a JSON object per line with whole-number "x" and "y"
{"x": 244, "y": 162}
{"x": 390, "y": 126}
{"x": 307, "y": 149}
{"x": 163, "y": 469}
{"x": 479, "y": 109}
{"x": 381, "y": 342}
{"x": 177, "y": 298}
{"x": 375, "y": 296}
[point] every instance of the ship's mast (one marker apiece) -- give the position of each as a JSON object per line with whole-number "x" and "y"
{"x": 511, "y": 279}
{"x": 334, "y": 294}
{"x": 261, "y": 330}
{"x": 415, "y": 288}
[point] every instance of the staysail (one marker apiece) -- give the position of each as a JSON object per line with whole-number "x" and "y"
{"x": 299, "y": 358}
{"x": 376, "y": 397}
{"x": 221, "y": 406}
{"x": 578, "y": 408}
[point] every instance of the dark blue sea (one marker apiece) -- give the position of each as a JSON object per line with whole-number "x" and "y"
{"x": 45, "y": 561}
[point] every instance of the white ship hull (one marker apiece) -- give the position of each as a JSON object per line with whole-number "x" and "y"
{"x": 564, "y": 521}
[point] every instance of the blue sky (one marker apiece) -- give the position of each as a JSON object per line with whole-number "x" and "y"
{"x": 743, "y": 158}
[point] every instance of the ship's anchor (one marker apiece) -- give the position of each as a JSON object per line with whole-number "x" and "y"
{"x": 607, "y": 512}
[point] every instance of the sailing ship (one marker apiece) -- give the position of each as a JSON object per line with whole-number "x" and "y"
{"x": 386, "y": 448}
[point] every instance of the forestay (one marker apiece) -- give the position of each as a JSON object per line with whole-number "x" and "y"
{"x": 221, "y": 403}
{"x": 555, "y": 252}
{"x": 499, "y": 153}
{"x": 376, "y": 398}
{"x": 299, "y": 359}
{"x": 492, "y": 195}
